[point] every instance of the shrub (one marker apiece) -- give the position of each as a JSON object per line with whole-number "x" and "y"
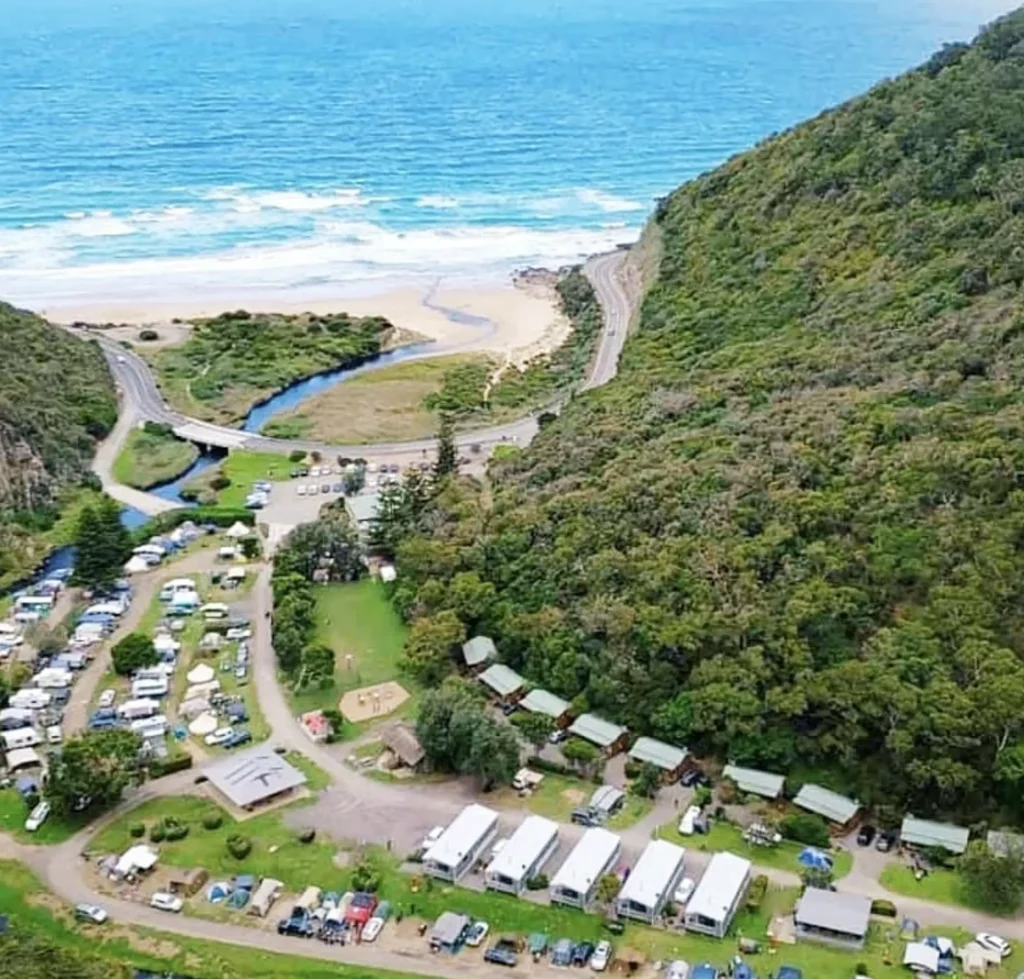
{"x": 149, "y": 335}
{"x": 239, "y": 846}
{"x": 633, "y": 768}
{"x": 365, "y": 877}
{"x": 175, "y": 829}
{"x": 884, "y": 908}
{"x": 166, "y": 766}
{"x": 213, "y": 820}
{"x": 137, "y": 830}
{"x": 806, "y": 828}
{"x": 157, "y": 833}
{"x": 551, "y": 767}
{"x": 220, "y": 482}
{"x": 306, "y": 835}
{"x": 537, "y": 883}
{"x": 755, "y": 894}
{"x": 296, "y": 455}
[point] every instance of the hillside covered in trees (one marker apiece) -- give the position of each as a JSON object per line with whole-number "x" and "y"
{"x": 791, "y": 533}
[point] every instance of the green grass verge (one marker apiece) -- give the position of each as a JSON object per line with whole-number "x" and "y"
{"x": 316, "y": 778}
{"x": 243, "y": 468}
{"x": 13, "y": 813}
{"x": 147, "y": 458}
{"x": 725, "y": 836}
{"x": 939, "y": 885}
{"x": 356, "y": 619}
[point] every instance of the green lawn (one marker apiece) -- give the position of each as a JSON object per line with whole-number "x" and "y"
{"x": 633, "y": 810}
{"x": 147, "y": 458}
{"x": 725, "y": 836}
{"x": 356, "y": 620}
{"x": 13, "y": 813}
{"x": 243, "y": 468}
{"x": 942, "y": 886}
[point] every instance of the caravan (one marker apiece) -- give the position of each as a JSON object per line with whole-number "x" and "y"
{"x": 24, "y": 737}
{"x": 29, "y": 698}
{"x": 146, "y": 688}
{"x": 132, "y": 710}
{"x": 174, "y": 586}
{"x": 215, "y": 611}
{"x": 53, "y": 678}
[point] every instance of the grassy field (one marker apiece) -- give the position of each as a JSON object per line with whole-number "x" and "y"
{"x": 243, "y": 468}
{"x": 382, "y": 405}
{"x": 725, "y": 836}
{"x": 356, "y": 619}
{"x": 148, "y": 458}
{"x": 558, "y": 795}
{"x": 942, "y": 886}
{"x": 13, "y": 813}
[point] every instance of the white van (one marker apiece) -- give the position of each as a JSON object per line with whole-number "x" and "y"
{"x": 133, "y": 709}
{"x": 54, "y": 735}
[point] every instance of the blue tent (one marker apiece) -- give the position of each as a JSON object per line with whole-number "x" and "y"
{"x": 742, "y": 971}
{"x": 818, "y": 859}
{"x": 789, "y": 972}
{"x": 705, "y": 971}
{"x": 218, "y": 892}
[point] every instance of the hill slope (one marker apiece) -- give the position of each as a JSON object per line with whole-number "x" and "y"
{"x": 792, "y": 531}
{"x": 56, "y": 400}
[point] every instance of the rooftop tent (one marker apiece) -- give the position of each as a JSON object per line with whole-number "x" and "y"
{"x": 814, "y": 858}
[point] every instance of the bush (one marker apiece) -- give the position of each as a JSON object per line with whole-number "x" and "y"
{"x": 166, "y": 766}
{"x": 551, "y": 767}
{"x": 137, "y": 830}
{"x": 213, "y": 820}
{"x": 806, "y": 828}
{"x": 537, "y": 883}
{"x": 756, "y": 892}
{"x": 296, "y": 455}
{"x": 220, "y": 482}
{"x": 149, "y": 335}
{"x": 633, "y": 768}
{"x": 157, "y": 833}
{"x": 306, "y": 835}
{"x": 366, "y": 877}
{"x": 175, "y": 829}
{"x": 883, "y": 908}
{"x": 239, "y": 846}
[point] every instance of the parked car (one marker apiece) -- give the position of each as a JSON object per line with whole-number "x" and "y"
{"x": 504, "y": 953}
{"x": 238, "y": 737}
{"x": 91, "y": 912}
{"x": 37, "y": 816}
{"x": 107, "y": 698}
{"x": 586, "y": 816}
{"x": 692, "y": 777}
{"x": 338, "y": 487}
{"x": 163, "y": 901}
{"x": 885, "y": 842}
{"x": 601, "y": 957}
{"x": 325, "y": 487}
{"x": 220, "y": 736}
{"x": 688, "y": 824}
{"x": 54, "y": 735}
{"x": 477, "y": 933}
{"x": 372, "y": 929}
{"x": 432, "y": 837}
{"x": 561, "y": 953}
{"x": 683, "y": 892}
{"x": 301, "y": 489}
{"x": 558, "y": 736}
{"x": 299, "y": 923}
{"x": 866, "y": 835}
{"x": 581, "y": 953}
{"x": 993, "y": 943}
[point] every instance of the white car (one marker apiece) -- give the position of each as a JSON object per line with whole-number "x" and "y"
{"x": 219, "y": 736}
{"x": 683, "y": 892}
{"x": 54, "y": 735}
{"x": 602, "y": 955}
{"x": 372, "y": 929}
{"x": 477, "y": 933}
{"x": 107, "y": 698}
{"x": 301, "y": 489}
{"x": 432, "y": 837}
{"x": 37, "y": 817}
{"x": 687, "y": 823}
{"x": 163, "y": 901}
{"x": 993, "y": 943}
{"x": 91, "y": 912}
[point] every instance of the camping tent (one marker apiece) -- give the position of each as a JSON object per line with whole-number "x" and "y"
{"x": 218, "y": 891}
{"x": 190, "y": 709}
{"x": 203, "y": 724}
{"x": 814, "y": 858}
{"x": 238, "y": 530}
{"x": 202, "y": 673}
{"x": 136, "y": 565}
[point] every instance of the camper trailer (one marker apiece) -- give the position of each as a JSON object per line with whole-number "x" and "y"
{"x": 149, "y": 688}
{"x": 29, "y": 698}
{"x": 132, "y": 710}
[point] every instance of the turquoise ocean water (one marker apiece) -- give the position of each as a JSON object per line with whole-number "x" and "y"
{"x": 156, "y": 150}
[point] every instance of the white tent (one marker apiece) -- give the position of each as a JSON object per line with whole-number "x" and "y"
{"x": 201, "y": 689}
{"x": 165, "y": 643}
{"x": 136, "y": 565}
{"x": 203, "y": 724}
{"x": 136, "y": 858}
{"x": 921, "y": 957}
{"x": 238, "y": 530}
{"x": 203, "y": 673}
{"x": 194, "y": 707}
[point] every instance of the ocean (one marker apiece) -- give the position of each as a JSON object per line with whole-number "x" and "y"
{"x": 160, "y": 150}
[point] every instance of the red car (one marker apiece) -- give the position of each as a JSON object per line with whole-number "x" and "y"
{"x": 361, "y": 909}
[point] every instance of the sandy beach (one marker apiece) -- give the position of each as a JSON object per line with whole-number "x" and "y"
{"x": 514, "y": 322}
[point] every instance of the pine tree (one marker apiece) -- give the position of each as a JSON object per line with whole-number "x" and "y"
{"x": 102, "y": 545}
{"x": 447, "y": 454}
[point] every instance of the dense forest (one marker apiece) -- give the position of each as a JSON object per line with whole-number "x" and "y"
{"x": 791, "y": 533}
{"x": 233, "y": 361}
{"x": 56, "y": 400}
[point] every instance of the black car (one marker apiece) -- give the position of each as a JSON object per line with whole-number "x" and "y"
{"x": 501, "y": 954}
{"x": 298, "y": 923}
{"x": 581, "y": 953}
{"x": 694, "y": 776}
{"x": 885, "y": 842}
{"x": 586, "y": 816}
{"x": 866, "y": 835}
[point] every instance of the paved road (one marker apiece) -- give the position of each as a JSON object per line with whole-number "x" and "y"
{"x": 143, "y": 401}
